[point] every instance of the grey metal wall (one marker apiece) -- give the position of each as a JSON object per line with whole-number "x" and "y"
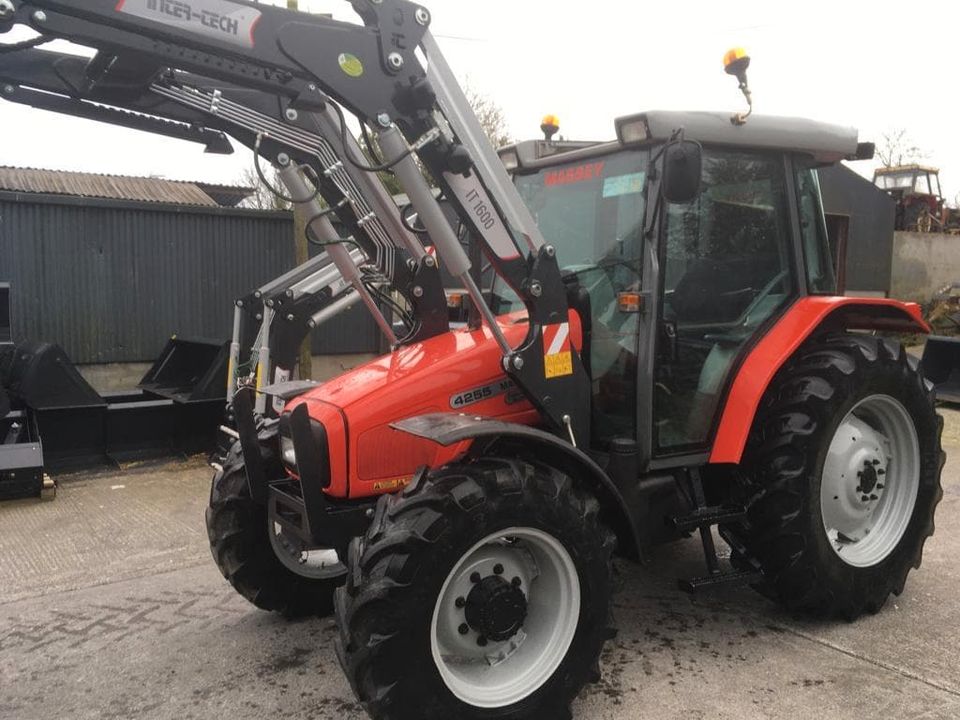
{"x": 110, "y": 282}
{"x": 870, "y": 211}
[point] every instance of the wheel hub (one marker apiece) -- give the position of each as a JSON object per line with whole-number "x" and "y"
{"x": 870, "y": 480}
{"x": 496, "y": 609}
{"x": 869, "y": 477}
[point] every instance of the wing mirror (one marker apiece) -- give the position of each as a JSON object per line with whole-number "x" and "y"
{"x": 682, "y": 168}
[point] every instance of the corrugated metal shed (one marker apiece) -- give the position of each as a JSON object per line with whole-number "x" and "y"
{"x": 116, "y": 187}
{"x": 111, "y": 280}
{"x": 860, "y": 218}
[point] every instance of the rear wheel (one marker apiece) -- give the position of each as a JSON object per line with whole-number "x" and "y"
{"x": 483, "y": 591}
{"x": 266, "y": 565}
{"x": 843, "y": 476}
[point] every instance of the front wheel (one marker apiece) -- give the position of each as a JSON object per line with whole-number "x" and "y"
{"x": 482, "y": 591}
{"x": 258, "y": 558}
{"x": 843, "y": 476}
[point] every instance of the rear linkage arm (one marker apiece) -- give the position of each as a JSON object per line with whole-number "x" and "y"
{"x": 374, "y": 72}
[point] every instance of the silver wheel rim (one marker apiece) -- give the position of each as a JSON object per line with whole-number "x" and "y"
{"x": 502, "y": 673}
{"x": 320, "y": 564}
{"x": 870, "y": 481}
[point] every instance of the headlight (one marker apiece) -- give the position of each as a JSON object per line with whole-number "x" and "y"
{"x": 287, "y": 454}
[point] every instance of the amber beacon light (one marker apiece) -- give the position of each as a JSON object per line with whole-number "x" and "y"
{"x": 736, "y": 62}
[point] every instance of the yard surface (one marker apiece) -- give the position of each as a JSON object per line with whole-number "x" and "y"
{"x": 111, "y": 607}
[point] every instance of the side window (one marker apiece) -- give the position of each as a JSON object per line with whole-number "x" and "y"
{"x": 727, "y": 269}
{"x": 821, "y": 278}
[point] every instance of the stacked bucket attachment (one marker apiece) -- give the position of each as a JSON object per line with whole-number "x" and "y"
{"x": 54, "y": 421}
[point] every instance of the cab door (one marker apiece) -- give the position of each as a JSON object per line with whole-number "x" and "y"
{"x": 727, "y": 270}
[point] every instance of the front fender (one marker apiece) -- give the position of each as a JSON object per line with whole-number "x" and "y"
{"x": 450, "y": 429}
{"x": 805, "y": 317}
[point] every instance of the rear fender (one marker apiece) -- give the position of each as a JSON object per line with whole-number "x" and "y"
{"x": 493, "y": 437}
{"x": 807, "y": 316}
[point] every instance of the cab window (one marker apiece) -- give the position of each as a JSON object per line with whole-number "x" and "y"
{"x": 727, "y": 269}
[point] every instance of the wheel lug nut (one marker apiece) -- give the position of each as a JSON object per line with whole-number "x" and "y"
{"x": 463, "y": 629}
{"x": 876, "y": 462}
{"x": 879, "y": 486}
{"x": 881, "y": 472}
{"x": 864, "y": 498}
{"x": 482, "y": 641}
{"x": 475, "y": 578}
{"x": 516, "y": 582}
{"x": 498, "y": 569}
{"x": 873, "y": 497}
{"x": 460, "y": 602}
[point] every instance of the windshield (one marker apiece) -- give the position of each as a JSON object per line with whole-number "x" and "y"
{"x": 592, "y": 212}
{"x": 893, "y": 182}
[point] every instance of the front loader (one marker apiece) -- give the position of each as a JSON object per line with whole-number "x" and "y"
{"x": 662, "y": 352}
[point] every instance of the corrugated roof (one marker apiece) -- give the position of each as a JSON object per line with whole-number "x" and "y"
{"x": 112, "y": 187}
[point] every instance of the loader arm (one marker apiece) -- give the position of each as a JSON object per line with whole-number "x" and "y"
{"x": 282, "y": 313}
{"x": 318, "y": 68}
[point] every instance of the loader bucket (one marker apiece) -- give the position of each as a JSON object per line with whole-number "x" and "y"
{"x": 42, "y": 377}
{"x": 941, "y": 366}
{"x": 189, "y": 370}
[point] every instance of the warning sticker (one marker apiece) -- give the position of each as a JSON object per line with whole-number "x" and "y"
{"x": 557, "y": 352}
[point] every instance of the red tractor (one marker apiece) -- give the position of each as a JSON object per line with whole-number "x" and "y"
{"x": 662, "y": 352}
{"x": 916, "y": 188}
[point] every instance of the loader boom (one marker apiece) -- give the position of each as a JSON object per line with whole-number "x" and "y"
{"x": 315, "y": 69}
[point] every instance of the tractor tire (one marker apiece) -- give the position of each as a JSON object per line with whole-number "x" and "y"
{"x": 247, "y": 557}
{"x": 846, "y": 442}
{"x": 483, "y": 590}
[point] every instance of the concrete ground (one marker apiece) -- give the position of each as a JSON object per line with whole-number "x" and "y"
{"x": 110, "y": 607}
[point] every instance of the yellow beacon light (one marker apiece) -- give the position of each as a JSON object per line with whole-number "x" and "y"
{"x": 736, "y": 62}
{"x": 550, "y": 126}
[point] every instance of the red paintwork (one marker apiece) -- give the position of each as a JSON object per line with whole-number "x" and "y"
{"x": 780, "y": 343}
{"x": 367, "y": 456}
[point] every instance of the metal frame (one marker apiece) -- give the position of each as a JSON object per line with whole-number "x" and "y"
{"x": 299, "y": 64}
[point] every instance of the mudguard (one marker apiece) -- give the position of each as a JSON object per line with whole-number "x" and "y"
{"x": 806, "y": 316}
{"x": 449, "y": 429}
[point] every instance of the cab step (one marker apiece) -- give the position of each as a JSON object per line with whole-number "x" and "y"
{"x": 709, "y": 516}
{"x": 703, "y": 518}
{"x": 733, "y": 577}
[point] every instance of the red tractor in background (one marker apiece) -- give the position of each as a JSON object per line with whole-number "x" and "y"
{"x": 920, "y": 204}
{"x": 663, "y": 351}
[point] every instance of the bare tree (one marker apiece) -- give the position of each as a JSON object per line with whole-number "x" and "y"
{"x": 897, "y": 148}
{"x": 491, "y": 117}
{"x": 263, "y": 198}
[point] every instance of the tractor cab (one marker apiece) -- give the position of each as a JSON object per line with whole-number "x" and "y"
{"x": 916, "y": 189}
{"x": 673, "y": 291}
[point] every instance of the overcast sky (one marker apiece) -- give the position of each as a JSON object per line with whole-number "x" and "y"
{"x": 878, "y": 66}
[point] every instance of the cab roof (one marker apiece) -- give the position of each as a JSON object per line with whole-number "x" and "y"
{"x": 825, "y": 143}
{"x": 897, "y": 169}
